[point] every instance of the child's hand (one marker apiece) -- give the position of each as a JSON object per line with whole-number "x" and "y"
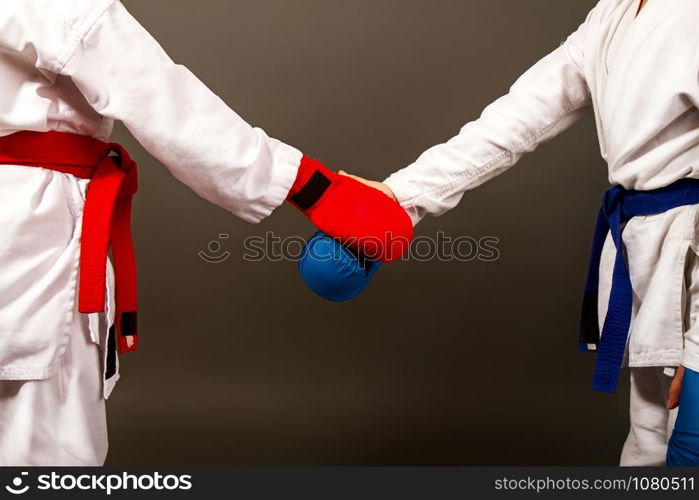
{"x": 376, "y": 185}
{"x": 673, "y": 398}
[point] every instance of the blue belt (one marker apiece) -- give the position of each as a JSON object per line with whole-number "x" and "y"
{"x": 618, "y": 206}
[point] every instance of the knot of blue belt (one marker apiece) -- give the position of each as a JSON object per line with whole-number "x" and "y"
{"x": 618, "y": 206}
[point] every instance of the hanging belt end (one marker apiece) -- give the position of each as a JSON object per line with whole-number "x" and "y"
{"x": 127, "y": 344}
{"x": 587, "y": 347}
{"x": 127, "y": 331}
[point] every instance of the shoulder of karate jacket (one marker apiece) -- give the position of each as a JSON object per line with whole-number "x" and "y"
{"x": 543, "y": 102}
{"x": 49, "y": 28}
{"x": 125, "y": 75}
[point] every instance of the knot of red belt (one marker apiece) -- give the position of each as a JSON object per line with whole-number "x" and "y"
{"x": 106, "y": 217}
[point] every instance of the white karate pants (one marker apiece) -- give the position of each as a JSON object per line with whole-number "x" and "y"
{"x": 651, "y": 422}
{"x": 60, "y": 420}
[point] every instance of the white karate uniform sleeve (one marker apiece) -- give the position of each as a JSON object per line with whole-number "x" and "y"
{"x": 543, "y": 102}
{"x": 125, "y": 75}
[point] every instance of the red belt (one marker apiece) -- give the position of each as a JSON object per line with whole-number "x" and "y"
{"x": 106, "y": 216}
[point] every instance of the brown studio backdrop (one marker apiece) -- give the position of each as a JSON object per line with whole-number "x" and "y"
{"x": 466, "y": 363}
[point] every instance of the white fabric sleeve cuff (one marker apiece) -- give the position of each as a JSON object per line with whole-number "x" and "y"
{"x": 406, "y": 196}
{"x": 287, "y": 160}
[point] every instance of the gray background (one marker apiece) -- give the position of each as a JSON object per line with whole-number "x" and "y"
{"x": 460, "y": 363}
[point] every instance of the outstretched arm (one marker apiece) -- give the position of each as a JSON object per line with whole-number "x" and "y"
{"x": 542, "y": 103}
{"x": 125, "y": 75}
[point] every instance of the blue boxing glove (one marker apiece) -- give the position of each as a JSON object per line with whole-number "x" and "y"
{"x": 334, "y": 271}
{"x": 683, "y": 448}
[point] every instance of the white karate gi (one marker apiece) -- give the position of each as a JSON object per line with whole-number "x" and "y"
{"x": 76, "y": 66}
{"x": 641, "y": 76}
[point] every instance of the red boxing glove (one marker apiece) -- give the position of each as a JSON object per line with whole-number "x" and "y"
{"x": 362, "y": 217}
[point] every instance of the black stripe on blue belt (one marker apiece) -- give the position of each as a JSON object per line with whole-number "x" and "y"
{"x": 618, "y": 206}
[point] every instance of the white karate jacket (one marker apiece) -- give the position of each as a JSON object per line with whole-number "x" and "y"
{"x": 76, "y": 66}
{"x": 645, "y": 102}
